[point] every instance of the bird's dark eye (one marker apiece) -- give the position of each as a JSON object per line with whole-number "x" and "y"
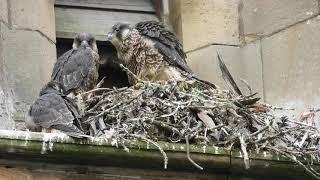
{"x": 117, "y": 30}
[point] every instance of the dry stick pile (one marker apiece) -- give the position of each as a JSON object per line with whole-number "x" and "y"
{"x": 188, "y": 112}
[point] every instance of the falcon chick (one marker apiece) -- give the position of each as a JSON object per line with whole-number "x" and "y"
{"x": 150, "y": 51}
{"x": 53, "y": 110}
{"x": 77, "y": 69}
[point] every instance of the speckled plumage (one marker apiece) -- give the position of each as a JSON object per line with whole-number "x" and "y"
{"x": 166, "y": 42}
{"x": 151, "y": 52}
{"x": 142, "y": 60}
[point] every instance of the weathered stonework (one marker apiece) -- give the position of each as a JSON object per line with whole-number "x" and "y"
{"x": 3, "y": 11}
{"x": 175, "y": 17}
{"x": 291, "y": 65}
{"x": 205, "y": 22}
{"x": 29, "y": 58}
{"x": 6, "y": 107}
{"x": 243, "y": 63}
{"x": 34, "y": 15}
{"x": 6, "y": 95}
{"x": 263, "y": 17}
{"x": 27, "y": 54}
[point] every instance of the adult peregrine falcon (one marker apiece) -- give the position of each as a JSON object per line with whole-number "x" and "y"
{"x": 77, "y": 69}
{"x": 150, "y": 51}
{"x": 53, "y": 110}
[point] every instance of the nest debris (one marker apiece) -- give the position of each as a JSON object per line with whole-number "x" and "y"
{"x": 192, "y": 113}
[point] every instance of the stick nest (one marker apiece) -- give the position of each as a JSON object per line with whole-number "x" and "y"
{"x": 193, "y": 113}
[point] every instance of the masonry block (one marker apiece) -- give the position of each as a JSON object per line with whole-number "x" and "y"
{"x": 6, "y": 96}
{"x": 6, "y": 107}
{"x": 260, "y": 17}
{"x": 243, "y": 63}
{"x": 291, "y": 65}
{"x": 209, "y": 22}
{"x": 28, "y": 59}
{"x": 175, "y": 17}
{"x": 3, "y": 11}
{"x": 35, "y": 15}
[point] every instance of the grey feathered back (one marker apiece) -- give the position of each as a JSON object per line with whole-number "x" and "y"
{"x": 52, "y": 111}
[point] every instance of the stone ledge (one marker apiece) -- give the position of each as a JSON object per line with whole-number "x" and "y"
{"x": 61, "y": 149}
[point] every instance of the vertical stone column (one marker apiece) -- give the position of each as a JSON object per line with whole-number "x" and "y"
{"x": 27, "y": 46}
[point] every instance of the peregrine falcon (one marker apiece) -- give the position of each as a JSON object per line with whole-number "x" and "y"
{"x": 77, "y": 69}
{"x": 53, "y": 110}
{"x": 150, "y": 51}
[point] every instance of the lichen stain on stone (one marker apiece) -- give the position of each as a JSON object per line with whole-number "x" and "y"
{"x": 215, "y": 149}
{"x": 204, "y": 149}
{"x": 47, "y": 141}
{"x": 26, "y": 140}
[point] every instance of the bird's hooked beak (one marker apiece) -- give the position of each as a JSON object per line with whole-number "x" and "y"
{"x": 84, "y": 43}
{"x": 110, "y": 36}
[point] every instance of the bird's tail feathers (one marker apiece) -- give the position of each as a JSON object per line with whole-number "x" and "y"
{"x": 226, "y": 75}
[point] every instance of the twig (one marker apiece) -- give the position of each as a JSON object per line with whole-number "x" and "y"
{"x": 262, "y": 129}
{"x": 300, "y": 123}
{"x": 293, "y": 158}
{"x": 172, "y": 113}
{"x": 244, "y": 151}
{"x": 305, "y": 136}
{"x": 216, "y": 127}
{"x": 163, "y": 125}
{"x": 165, "y": 157}
{"x": 247, "y": 85}
{"x": 100, "y": 83}
{"x": 188, "y": 154}
{"x": 131, "y": 73}
{"x": 97, "y": 90}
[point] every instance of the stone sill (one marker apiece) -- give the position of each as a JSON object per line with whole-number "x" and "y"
{"x": 61, "y": 149}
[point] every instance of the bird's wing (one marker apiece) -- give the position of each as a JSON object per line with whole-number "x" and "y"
{"x": 50, "y": 111}
{"x": 74, "y": 70}
{"x": 59, "y": 63}
{"x": 166, "y": 42}
{"x": 228, "y": 77}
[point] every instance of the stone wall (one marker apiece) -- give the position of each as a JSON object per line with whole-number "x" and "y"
{"x": 27, "y": 54}
{"x": 273, "y": 45}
